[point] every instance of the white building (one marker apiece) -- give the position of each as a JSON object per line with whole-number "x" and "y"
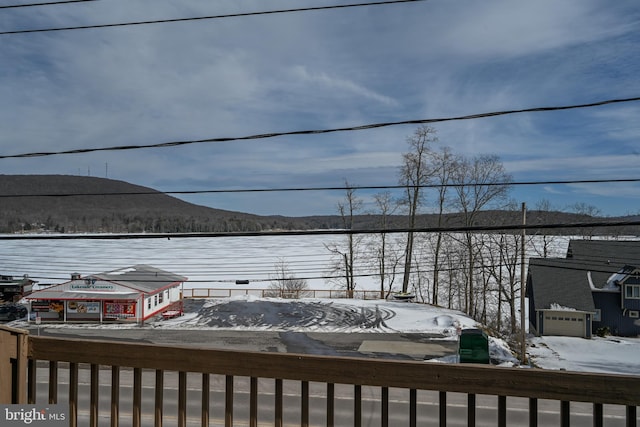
{"x": 133, "y": 293}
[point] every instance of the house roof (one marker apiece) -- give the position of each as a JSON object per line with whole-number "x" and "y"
{"x": 136, "y": 280}
{"x": 618, "y": 253}
{"x": 141, "y": 277}
{"x": 604, "y": 257}
{"x": 10, "y": 280}
{"x": 86, "y": 296}
{"x": 590, "y": 264}
{"x": 558, "y": 282}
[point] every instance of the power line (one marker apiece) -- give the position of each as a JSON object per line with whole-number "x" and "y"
{"x": 297, "y": 189}
{"x": 50, "y": 3}
{"x": 201, "y": 18}
{"x": 457, "y": 229}
{"x": 317, "y": 274}
{"x": 323, "y": 131}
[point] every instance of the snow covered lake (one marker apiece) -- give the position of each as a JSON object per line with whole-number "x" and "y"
{"x": 207, "y": 262}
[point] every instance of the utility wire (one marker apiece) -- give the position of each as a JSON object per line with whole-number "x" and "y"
{"x": 458, "y": 229}
{"x": 15, "y": 6}
{"x": 558, "y": 263}
{"x": 201, "y": 18}
{"x": 323, "y": 131}
{"x": 297, "y": 189}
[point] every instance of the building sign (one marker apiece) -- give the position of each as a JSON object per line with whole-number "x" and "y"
{"x": 81, "y": 307}
{"x": 51, "y": 306}
{"x": 39, "y": 306}
{"x": 92, "y": 285}
{"x": 119, "y": 309}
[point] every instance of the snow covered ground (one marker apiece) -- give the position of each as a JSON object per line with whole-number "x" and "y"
{"x": 605, "y": 355}
{"x": 615, "y": 355}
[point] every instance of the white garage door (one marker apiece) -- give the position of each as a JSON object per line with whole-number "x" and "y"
{"x": 565, "y": 323}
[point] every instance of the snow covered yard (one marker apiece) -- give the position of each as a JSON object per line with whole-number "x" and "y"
{"x": 613, "y": 355}
{"x": 605, "y": 355}
{"x": 336, "y": 315}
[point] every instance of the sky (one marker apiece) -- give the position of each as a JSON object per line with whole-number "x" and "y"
{"x": 323, "y": 69}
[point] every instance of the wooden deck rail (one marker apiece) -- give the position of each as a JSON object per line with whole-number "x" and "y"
{"x": 92, "y": 358}
{"x": 13, "y": 365}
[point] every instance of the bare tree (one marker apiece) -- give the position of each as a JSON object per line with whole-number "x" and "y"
{"x": 502, "y": 262}
{"x": 415, "y": 172}
{"x": 542, "y": 242}
{"x": 588, "y": 210}
{"x": 444, "y": 163}
{"x": 347, "y": 256}
{"x": 385, "y": 258}
{"x": 284, "y": 284}
{"x": 480, "y": 182}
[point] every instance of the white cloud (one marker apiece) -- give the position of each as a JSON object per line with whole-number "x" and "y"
{"x": 504, "y": 28}
{"x": 342, "y": 87}
{"x": 235, "y": 77}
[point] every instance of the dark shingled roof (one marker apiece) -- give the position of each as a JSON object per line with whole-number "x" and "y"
{"x": 604, "y": 257}
{"x": 567, "y": 281}
{"x": 605, "y": 252}
{"x": 556, "y": 281}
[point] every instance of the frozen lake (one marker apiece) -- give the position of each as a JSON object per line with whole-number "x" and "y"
{"x": 208, "y": 262}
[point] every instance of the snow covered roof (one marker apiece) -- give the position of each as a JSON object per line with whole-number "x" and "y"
{"x": 559, "y": 307}
{"x": 613, "y": 282}
{"x": 141, "y": 277}
{"x": 86, "y": 296}
{"x": 122, "y": 284}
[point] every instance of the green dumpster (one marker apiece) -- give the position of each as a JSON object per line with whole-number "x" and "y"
{"x": 473, "y": 346}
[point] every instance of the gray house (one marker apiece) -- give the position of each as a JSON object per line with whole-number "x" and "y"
{"x": 596, "y": 286}
{"x": 12, "y": 290}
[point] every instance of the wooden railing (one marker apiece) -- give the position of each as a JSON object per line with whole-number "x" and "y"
{"x": 262, "y": 293}
{"x": 138, "y": 378}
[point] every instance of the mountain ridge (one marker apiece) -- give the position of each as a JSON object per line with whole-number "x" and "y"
{"x": 79, "y": 204}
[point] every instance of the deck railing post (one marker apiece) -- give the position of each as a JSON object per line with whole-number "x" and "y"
{"x": 14, "y": 348}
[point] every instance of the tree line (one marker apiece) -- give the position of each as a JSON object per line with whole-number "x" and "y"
{"x": 477, "y": 273}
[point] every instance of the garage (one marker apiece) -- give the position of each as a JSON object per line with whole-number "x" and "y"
{"x": 564, "y": 323}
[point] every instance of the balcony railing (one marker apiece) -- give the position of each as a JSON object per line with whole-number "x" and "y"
{"x": 132, "y": 384}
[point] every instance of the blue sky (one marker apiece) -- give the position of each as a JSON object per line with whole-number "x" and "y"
{"x": 318, "y": 70}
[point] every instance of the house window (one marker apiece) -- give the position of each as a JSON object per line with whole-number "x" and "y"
{"x": 597, "y": 317}
{"x": 155, "y": 300}
{"x": 160, "y": 297}
{"x": 148, "y": 303}
{"x": 634, "y": 313}
{"x": 632, "y": 291}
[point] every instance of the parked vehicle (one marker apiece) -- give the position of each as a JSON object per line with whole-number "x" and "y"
{"x": 12, "y": 311}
